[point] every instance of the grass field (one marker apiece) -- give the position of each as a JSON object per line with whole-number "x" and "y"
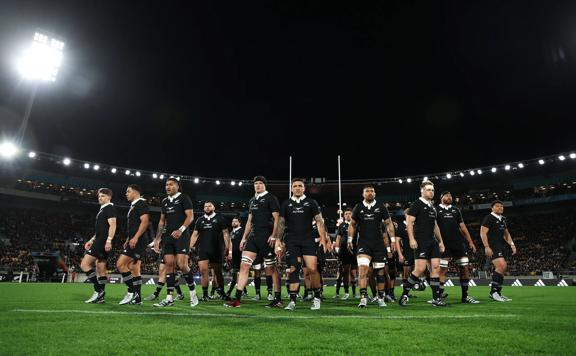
{"x": 51, "y": 319}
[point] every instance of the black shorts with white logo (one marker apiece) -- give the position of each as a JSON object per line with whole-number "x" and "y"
{"x": 426, "y": 251}
{"x": 214, "y": 254}
{"x": 408, "y": 254}
{"x": 454, "y": 249}
{"x": 257, "y": 242}
{"x": 136, "y": 253}
{"x": 298, "y": 246}
{"x": 97, "y": 249}
{"x": 375, "y": 249}
{"x": 498, "y": 251}
{"x": 174, "y": 246}
{"x": 236, "y": 259}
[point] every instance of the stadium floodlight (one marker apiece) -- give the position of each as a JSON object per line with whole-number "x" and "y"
{"x": 507, "y": 167}
{"x": 400, "y": 181}
{"x": 196, "y": 180}
{"x": 178, "y": 179}
{"x": 154, "y": 175}
{"x": 409, "y": 180}
{"x": 472, "y": 173}
{"x": 127, "y": 172}
{"x": 8, "y": 150}
{"x": 541, "y": 162}
{"x": 217, "y": 182}
{"x": 572, "y": 155}
{"x": 448, "y": 176}
{"x": 520, "y": 165}
{"x": 86, "y": 165}
{"x": 233, "y": 183}
{"x": 113, "y": 170}
{"x": 96, "y": 167}
{"x": 42, "y": 60}
{"x": 493, "y": 170}
{"x": 462, "y": 174}
{"x": 32, "y": 154}
{"x": 66, "y": 161}
{"x": 561, "y": 157}
{"x": 138, "y": 174}
{"x": 161, "y": 176}
{"x": 240, "y": 183}
{"x": 425, "y": 178}
{"x": 479, "y": 171}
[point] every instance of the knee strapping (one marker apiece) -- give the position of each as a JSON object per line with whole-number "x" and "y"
{"x": 247, "y": 260}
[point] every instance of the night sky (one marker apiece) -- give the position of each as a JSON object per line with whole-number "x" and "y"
{"x": 231, "y": 90}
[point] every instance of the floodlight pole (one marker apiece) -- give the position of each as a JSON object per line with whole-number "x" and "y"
{"x": 24, "y": 125}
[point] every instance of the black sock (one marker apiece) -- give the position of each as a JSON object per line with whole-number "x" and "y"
{"x": 277, "y": 296}
{"x": 102, "y": 282}
{"x": 373, "y": 290}
{"x": 364, "y": 292}
{"x": 316, "y": 293}
{"x": 238, "y": 294}
{"x": 137, "y": 285}
{"x": 408, "y": 283}
{"x": 269, "y": 284}
{"x": 91, "y": 276}
{"x": 205, "y": 291}
{"x": 233, "y": 283}
{"x": 495, "y": 284}
{"x": 441, "y": 289}
{"x": 338, "y": 284}
{"x": 212, "y": 288}
{"x": 353, "y": 288}
{"x": 293, "y": 296}
{"x": 159, "y": 287}
{"x": 127, "y": 277}
{"x": 306, "y": 292}
{"x": 257, "y": 283}
{"x": 346, "y": 289}
{"x": 464, "y": 286}
{"x": 435, "y": 285}
{"x": 189, "y": 277}
{"x": 170, "y": 281}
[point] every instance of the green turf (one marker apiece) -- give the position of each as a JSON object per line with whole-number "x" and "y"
{"x": 51, "y": 319}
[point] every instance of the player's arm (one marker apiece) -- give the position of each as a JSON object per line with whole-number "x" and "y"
{"x": 227, "y": 240}
{"x": 194, "y": 238}
{"x": 399, "y": 250}
{"x": 351, "y": 233}
{"x": 189, "y": 217}
{"x": 161, "y": 224}
{"x": 467, "y": 236}
{"x": 484, "y": 236}
{"x": 144, "y": 222}
{"x": 281, "y": 228}
{"x": 390, "y": 234}
{"x": 337, "y": 242}
{"x": 410, "y": 229}
{"x": 508, "y": 239}
{"x": 322, "y": 231}
{"x": 90, "y": 242}
{"x": 111, "y": 233}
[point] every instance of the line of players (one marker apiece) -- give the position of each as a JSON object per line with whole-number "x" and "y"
{"x": 367, "y": 242}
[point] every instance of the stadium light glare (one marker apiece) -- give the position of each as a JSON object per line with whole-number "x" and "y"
{"x": 138, "y": 174}
{"x": 217, "y": 182}
{"x": 494, "y": 169}
{"x": 196, "y": 180}
{"x": 32, "y": 154}
{"x": 425, "y": 178}
{"x": 520, "y": 165}
{"x": 400, "y": 181}
{"x": 233, "y": 183}
{"x": 8, "y": 150}
{"x": 462, "y": 174}
{"x": 96, "y": 167}
{"x": 561, "y": 157}
{"x": 572, "y": 155}
{"x": 240, "y": 183}
{"x": 127, "y": 172}
{"x": 86, "y": 165}
{"x": 507, "y": 167}
{"x": 472, "y": 173}
{"x": 479, "y": 171}
{"x": 113, "y": 170}
{"x": 541, "y": 162}
{"x": 409, "y": 180}
{"x": 161, "y": 176}
{"x": 66, "y": 161}
{"x": 154, "y": 175}
{"x": 41, "y": 61}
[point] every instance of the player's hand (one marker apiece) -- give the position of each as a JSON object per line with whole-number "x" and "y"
{"x": 133, "y": 242}
{"x": 271, "y": 241}
{"x": 488, "y": 252}
{"x": 176, "y": 234}
{"x": 393, "y": 247}
{"x": 108, "y": 246}
{"x": 279, "y": 249}
{"x": 441, "y": 247}
{"x": 413, "y": 244}
{"x": 229, "y": 255}
{"x": 472, "y": 247}
{"x": 400, "y": 257}
{"x": 324, "y": 245}
{"x": 350, "y": 247}
{"x": 513, "y": 247}
{"x": 88, "y": 244}
{"x": 156, "y": 247}
{"x": 242, "y": 244}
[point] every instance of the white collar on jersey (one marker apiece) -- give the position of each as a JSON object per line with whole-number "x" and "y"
{"x": 210, "y": 216}
{"x": 258, "y": 196}
{"x": 445, "y": 206}
{"x": 298, "y": 200}
{"x": 499, "y": 217}
{"x": 105, "y": 205}
{"x": 171, "y": 198}
{"x": 136, "y": 201}
{"x": 429, "y": 203}
{"x": 369, "y": 205}
{"x": 236, "y": 228}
